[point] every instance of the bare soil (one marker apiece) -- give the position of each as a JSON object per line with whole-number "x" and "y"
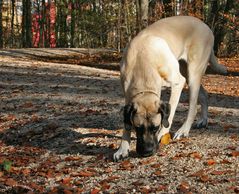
{"x": 61, "y": 121}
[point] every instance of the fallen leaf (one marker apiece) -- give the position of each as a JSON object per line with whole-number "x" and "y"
{"x": 198, "y": 173}
{"x": 204, "y": 178}
{"x": 157, "y": 172}
{"x": 161, "y": 188}
{"x": 86, "y": 173}
{"x": 196, "y": 155}
{"x": 72, "y": 158}
{"x": 156, "y": 165}
{"x": 217, "y": 172}
{"x": 234, "y": 153}
{"x": 113, "y": 146}
{"x": 66, "y": 191}
{"x": 66, "y": 180}
{"x": 95, "y": 191}
{"x": 166, "y": 139}
{"x": 104, "y": 185}
{"x": 26, "y": 171}
{"x": 184, "y": 187}
{"x": 11, "y": 182}
{"x": 147, "y": 161}
{"x": 210, "y": 162}
{"x": 225, "y": 161}
{"x": 126, "y": 165}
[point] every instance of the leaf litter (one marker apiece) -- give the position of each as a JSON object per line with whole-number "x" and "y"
{"x": 60, "y": 124}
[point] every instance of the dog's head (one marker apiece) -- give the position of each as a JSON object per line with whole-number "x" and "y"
{"x": 146, "y": 115}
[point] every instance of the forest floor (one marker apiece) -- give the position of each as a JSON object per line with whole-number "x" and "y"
{"x": 61, "y": 121}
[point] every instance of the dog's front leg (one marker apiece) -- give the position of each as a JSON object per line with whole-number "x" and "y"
{"x": 176, "y": 89}
{"x": 123, "y": 150}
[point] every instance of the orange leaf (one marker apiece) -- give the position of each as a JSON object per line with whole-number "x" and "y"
{"x": 126, "y": 165}
{"x": 66, "y": 180}
{"x": 210, "y": 162}
{"x": 11, "y": 182}
{"x": 86, "y": 174}
{"x": 234, "y": 153}
{"x": 158, "y": 172}
{"x": 196, "y": 155}
{"x": 166, "y": 139}
{"x": 26, "y": 171}
{"x": 95, "y": 191}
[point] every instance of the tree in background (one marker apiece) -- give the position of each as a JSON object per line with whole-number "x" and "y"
{"x": 1, "y": 27}
{"x": 107, "y": 23}
{"x": 26, "y": 24}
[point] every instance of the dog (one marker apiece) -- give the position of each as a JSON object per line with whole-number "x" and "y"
{"x": 154, "y": 59}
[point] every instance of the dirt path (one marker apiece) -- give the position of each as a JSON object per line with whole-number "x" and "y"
{"x": 60, "y": 124}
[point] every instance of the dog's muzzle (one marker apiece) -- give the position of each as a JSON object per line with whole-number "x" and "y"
{"x": 146, "y": 149}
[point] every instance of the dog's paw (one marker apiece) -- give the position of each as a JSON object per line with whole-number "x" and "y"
{"x": 120, "y": 154}
{"x": 181, "y": 133}
{"x": 202, "y": 123}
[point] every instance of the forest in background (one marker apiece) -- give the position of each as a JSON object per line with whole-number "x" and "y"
{"x": 106, "y": 23}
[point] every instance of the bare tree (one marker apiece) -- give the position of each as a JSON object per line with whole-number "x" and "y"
{"x": 26, "y": 24}
{"x": 144, "y": 9}
{"x": 1, "y": 27}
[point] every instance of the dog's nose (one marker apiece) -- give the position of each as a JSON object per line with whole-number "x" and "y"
{"x": 145, "y": 150}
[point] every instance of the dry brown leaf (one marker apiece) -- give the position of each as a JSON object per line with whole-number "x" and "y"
{"x": 198, "y": 173}
{"x": 184, "y": 187}
{"x": 217, "y": 172}
{"x": 11, "y": 182}
{"x": 126, "y": 165}
{"x": 196, "y": 155}
{"x": 225, "y": 161}
{"x": 147, "y": 161}
{"x": 204, "y": 178}
{"x": 234, "y": 153}
{"x": 66, "y": 180}
{"x": 161, "y": 188}
{"x": 86, "y": 173}
{"x": 166, "y": 139}
{"x": 26, "y": 171}
{"x": 156, "y": 165}
{"x": 157, "y": 173}
{"x": 95, "y": 191}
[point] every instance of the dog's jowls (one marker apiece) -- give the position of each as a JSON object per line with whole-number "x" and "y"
{"x": 151, "y": 61}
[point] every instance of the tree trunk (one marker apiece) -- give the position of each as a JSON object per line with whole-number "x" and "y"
{"x": 220, "y": 28}
{"x": 26, "y": 24}
{"x": 144, "y": 9}
{"x": 12, "y": 21}
{"x": 72, "y": 23}
{"x": 1, "y": 27}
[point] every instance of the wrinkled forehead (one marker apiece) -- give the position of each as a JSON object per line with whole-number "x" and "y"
{"x": 147, "y": 119}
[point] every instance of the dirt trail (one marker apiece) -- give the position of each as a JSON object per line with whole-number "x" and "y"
{"x": 60, "y": 123}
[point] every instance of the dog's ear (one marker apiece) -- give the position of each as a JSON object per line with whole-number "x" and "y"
{"x": 129, "y": 111}
{"x": 164, "y": 109}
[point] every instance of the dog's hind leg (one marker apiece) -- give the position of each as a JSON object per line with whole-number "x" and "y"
{"x": 203, "y": 100}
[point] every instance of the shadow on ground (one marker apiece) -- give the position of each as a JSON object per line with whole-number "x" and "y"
{"x": 48, "y": 108}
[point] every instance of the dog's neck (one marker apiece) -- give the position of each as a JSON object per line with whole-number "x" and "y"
{"x": 145, "y": 92}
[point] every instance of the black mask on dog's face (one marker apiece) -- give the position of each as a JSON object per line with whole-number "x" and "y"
{"x": 147, "y": 122}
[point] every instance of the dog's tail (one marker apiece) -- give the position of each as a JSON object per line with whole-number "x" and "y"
{"x": 214, "y": 67}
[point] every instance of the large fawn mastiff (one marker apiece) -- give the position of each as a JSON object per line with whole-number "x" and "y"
{"x": 151, "y": 61}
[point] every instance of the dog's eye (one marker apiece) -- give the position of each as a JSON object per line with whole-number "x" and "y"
{"x": 154, "y": 128}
